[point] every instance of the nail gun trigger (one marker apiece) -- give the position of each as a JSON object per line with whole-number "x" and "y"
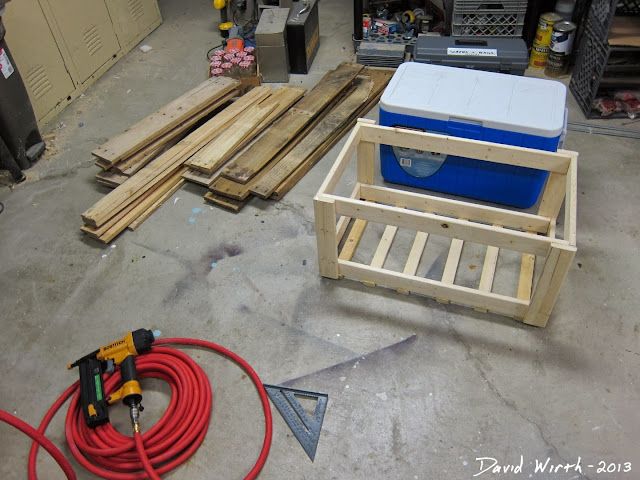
{"x": 110, "y": 366}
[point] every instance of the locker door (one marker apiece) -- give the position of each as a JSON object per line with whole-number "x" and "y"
{"x": 37, "y": 56}
{"x": 87, "y": 33}
{"x": 133, "y": 19}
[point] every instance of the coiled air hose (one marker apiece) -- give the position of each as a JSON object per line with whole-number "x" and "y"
{"x": 109, "y": 454}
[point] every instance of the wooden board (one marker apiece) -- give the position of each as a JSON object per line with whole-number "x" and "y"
{"x": 224, "y": 202}
{"x": 333, "y": 121}
{"x": 155, "y": 205}
{"x": 110, "y": 178}
{"x": 107, "y": 232}
{"x": 250, "y": 162}
{"x": 194, "y": 176}
{"x": 134, "y": 163}
{"x": 245, "y": 128}
{"x": 381, "y": 78}
{"x": 165, "y": 119}
{"x": 164, "y": 165}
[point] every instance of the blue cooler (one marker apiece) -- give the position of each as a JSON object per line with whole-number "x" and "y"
{"x": 493, "y": 107}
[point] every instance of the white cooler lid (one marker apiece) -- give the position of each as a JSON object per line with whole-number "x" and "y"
{"x": 504, "y": 102}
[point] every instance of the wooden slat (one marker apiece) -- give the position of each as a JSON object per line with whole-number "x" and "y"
{"x": 251, "y": 161}
{"x": 382, "y": 251}
{"x": 353, "y": 239}
{"x": 162, "y": 166}
{"x": 111, "y": 179}
{"x": 457, "y": 294}
{"x": 525, "y": 280}
{"x": 455, "y": 208}
{"x": 194, "y": 176}
{"x": 332, "y": 122}
{"x": 489, "y": 268}
{"x": 415, "y": 255}
{"x": 166, "y": 118}
{"x": 245, "y": 128}
{"x": 224, "y": 146}
{"x": 448, "y": 227}
{"x": 155, "y": 205}
{"x": 522, "y": 157}
{"x": 113, "y": 228}
{"x": 451, "y": 265}
{"x": 308, "y": 164}
{"x": 224, "y": 202}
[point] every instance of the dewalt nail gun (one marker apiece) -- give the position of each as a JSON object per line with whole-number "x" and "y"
{"x": 121, "y": 353}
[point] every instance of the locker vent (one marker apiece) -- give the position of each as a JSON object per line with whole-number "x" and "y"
{"x": 92, "y": 40}
{"x": 136, "y": 8}
{"x": 38, "y": 81}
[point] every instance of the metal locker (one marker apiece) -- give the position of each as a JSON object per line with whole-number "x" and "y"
{"x": 133, "y": 19}
{"x": 40, "y": 63}
{"x": 85, "y": 30}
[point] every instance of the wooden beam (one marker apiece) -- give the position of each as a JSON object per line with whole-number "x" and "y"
{"x": 491, "y": 152}
{"x": 165, "y": 119}
{"x": 251, "y": 161}
{"x": 457, "y": 294}
{"x": 455, "y": 208}
{"x": 326, "y": 235}
{"x": 415, "y": 255}
{"x": 445, "y": 226}
{"x": 353, "y": 239}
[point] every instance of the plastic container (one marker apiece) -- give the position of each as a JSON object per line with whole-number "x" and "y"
{"x": 487, "y": 106}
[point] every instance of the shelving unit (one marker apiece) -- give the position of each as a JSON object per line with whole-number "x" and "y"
{"x": 609, "y": 53}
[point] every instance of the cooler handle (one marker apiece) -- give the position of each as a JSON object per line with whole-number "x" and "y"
{"x": 475, "y": 43}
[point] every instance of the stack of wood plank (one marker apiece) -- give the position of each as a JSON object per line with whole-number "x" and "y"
{"x": 125, "y": 154}
{"x": 262, "y": 144}
{"x": 271, "y": 165}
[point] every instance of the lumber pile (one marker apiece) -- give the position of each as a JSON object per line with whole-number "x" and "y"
{"x": 260, "y": 145}
{"x": 125, "y": 154}
{"x": 276, "y": 161}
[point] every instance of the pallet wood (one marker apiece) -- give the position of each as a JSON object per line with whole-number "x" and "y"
{"x": 310, "y": 162}
{"x": 460, "y": 221}
{"x": 155, "y": 205}
{"x": 353, "y": 239}
{"x": 107, "y": 232}
{"x": 249, "y": 163}
{"x": 224, "y": 202}
{"x": 194, "y": 176}
{"x": 245, "y": 128}
{"x": 380, "y": 78}
{"x": 265, "y": 187}
{"x": 415, "y": 255}
{"x": 165, "y": 119}
{"x": 240, "y": 192}
{"x": 163, "y": 166}
{"x": 111, "y": 179}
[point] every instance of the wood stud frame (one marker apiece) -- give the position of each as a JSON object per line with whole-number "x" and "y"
{"x": 530, "y": 234}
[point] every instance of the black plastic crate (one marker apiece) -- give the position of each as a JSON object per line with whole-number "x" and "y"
{"x": 628, "y": 7}
{"x": 588, "y": 71}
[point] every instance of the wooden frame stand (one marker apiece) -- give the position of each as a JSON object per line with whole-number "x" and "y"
{"x": 529, "y": 234}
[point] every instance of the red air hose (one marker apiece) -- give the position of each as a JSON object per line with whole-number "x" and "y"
{"x": 171, "y": 441}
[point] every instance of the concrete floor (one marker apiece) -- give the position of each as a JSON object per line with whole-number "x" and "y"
{"x": 417, "y": 390}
